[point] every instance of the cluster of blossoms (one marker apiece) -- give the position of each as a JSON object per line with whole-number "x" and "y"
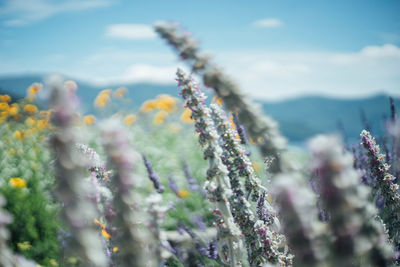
{"x": 133, "y": 238}
{"x": 228, "y": 162}
{"x": 384, "y": 187}
{"x": 70, "y": 188}
{"x": 262, "y": 242}
{"x": 218, "y": 186}
{"x": 352, "y": 219}
{"x": 259, "y": 127}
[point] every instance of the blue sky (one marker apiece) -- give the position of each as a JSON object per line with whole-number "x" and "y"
{"x": 273, "y": 49}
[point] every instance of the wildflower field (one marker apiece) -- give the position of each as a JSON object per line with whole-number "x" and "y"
{"x": 200, "y": 178}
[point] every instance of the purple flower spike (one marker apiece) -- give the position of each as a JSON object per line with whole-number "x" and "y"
{"x": 153, "y": 176}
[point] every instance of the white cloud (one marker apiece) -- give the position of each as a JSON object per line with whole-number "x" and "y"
{"x": 21, "y": 12}
{"x": 142, "y": 73}
{"x": 268, "y": 23}
{"x": 130, "y": 31}
{"x": 373, "y": 69}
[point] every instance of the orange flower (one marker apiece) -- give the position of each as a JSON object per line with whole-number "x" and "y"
{"x": 217, "y": 100}
{"x": 89, "y": 119}
{"x": 186, "y": 116}
{"x": 13, "y": 110}
{"x": 115, "y": 249}
{"x": 4, "y": 106}
{"x": 17, "y": 182}
{"x": 5, "y": 98}
{"x": 42, "y": 124}
{"x": 183, "y": 193}
{"x": 160, "y": 117}
{"x": 166, "y": 102}
{"x": 103, "y": 98}
{"x": 105, "y": 234}
{"x": 30, "y": 108}
{"x": 148, "y": 106}
{"x": 130, "y": 119}
{"x": 18, "y": 135}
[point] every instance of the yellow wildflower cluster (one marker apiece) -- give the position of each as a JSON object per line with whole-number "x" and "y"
{"x": 162, "y": 102}
{"x": 103, "y": 98}
{"x": 5, "y": 98}
{"x": 17, "y": 182}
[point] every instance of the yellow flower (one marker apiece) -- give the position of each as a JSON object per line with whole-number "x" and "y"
{"x": 4, "y": 106}
{"x": 35, "y": 88}
{"x": 42, "y": 124}
{"x": 89, "y": 119}
{"x": 30, "y": 108}
{"x": 166, "y": 102}
{"x": 18, "y": 135}
{"x": 5, "y": 98}
{"x": 251, "y": 140}
{"x": 30, "y": 121}
{"x": 105, "y": 234}
{"x": 97, "y": 222}
{"x": 13, "y": 110}
{"x": 260, "y": 139}
{"x": 148, "y": 106}
{"x": 186, "y": 116}
{"x": 160, "y": 117}
{"x": 115, "y": 249}
{"x": 17, "y": 182}
{"x": 24, "y": 246}
{"x": 130, "y": 119}
{"x": 183, "y": 193}
{"x": 217, "y": 100}
{"x": 120, "y": 92}
{"x": 103, "y": 98}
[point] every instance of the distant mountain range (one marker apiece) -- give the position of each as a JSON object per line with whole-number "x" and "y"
{"x": 299, "y": 118}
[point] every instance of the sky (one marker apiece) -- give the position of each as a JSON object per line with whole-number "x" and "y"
{"x": 274, "y": 49}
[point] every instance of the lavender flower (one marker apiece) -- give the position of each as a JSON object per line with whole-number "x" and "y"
{"x": 259, "y": 127}
{"x": 153, "y": 176}
{"x": 191, "y": 181}
{"x": 212, "y": 250}
{"x": 352, "y": 221}
{"x": 385, "y": 186}
{"x": 70, "y": 187}
{"x": 172, "y": 185}
{"x": 262, "y": 242}
{"x": 218, "y": 186}
{"x": 240, "y": 130}
{"x": 133, "y": 238}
